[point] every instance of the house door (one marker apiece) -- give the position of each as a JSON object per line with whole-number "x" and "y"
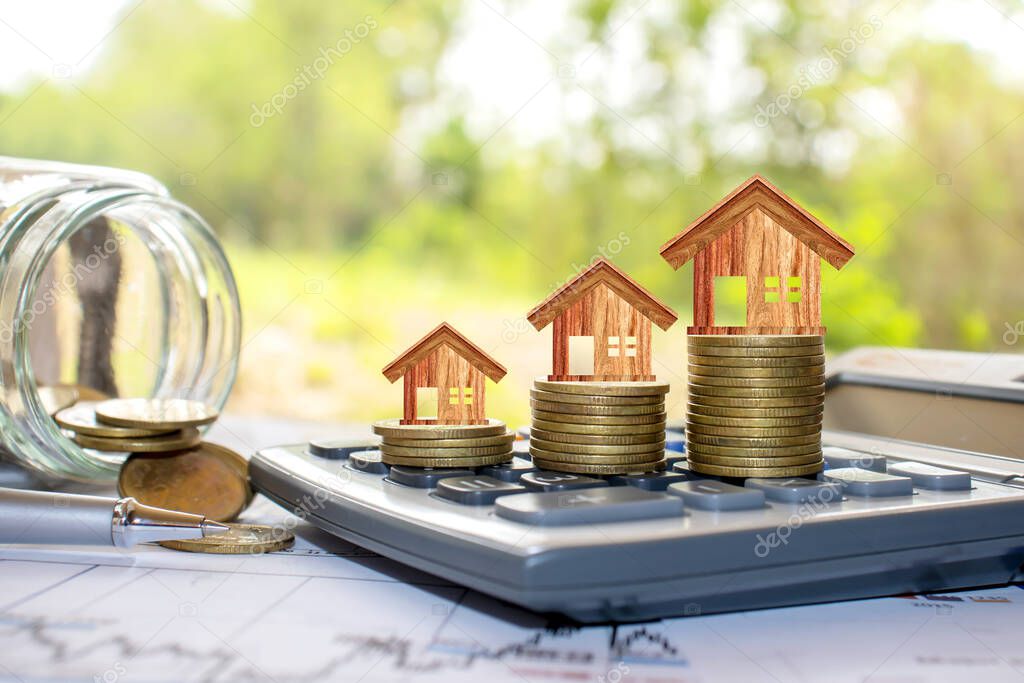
{"x": 581, "y": 355}
{"x": 730, "y": 303}
{"x": 426, "y": 403}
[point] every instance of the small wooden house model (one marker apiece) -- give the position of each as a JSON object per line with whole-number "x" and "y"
{"x": 444, "y": 379}
{"x": 602, "y": 326}
{"x": 763, "y": 241}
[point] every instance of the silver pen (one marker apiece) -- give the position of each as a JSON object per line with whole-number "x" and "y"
{"x": 73, "y": 519}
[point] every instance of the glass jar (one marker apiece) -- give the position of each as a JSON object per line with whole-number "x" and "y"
{"x": 108, "y": 284}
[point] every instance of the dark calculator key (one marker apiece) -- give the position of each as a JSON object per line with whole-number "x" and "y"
{"x": 933, "y": 478}
{"x": 543, "y": 480}
{"x": 709, "y": 494}
{"x": 797, "y": 490}
{"x": 650, "y": 481}
{"x": 675, "y": 442}
{"x": 475, "y": 490}
{"x": 587, "y": 506}
{"x": 368, "y": 462}
{"x": 868, "y": 483}
{"x": 672, "y": 458}
{"x": 521, "y": 447}
{"x": 425, "y": 477}
{"x": 836, "y": 458}
{"x": 509, "y": 471}
{"x": 339, "y": 449}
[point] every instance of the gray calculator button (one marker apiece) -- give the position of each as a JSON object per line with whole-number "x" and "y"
{"x": 836, "y": 458}
{"x": 425, "y": 477}
{"x": 650, "y": 481}
{"x": 544, "y": 480}
{"x": 867, "y": 483}
{"x": 476, "y": 490}
{"x": 709, "y": 494}
{"x": 521, "y": 447}
{"x": 509, "y": 471}
{"x": 797, "y": 490}
{"x": 339, "y": 449}
{"x": 367, "y": 461}
{"x": 933, "y": 478}
{"x": 587, "y": 506}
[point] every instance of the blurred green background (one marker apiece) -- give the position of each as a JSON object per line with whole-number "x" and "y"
{"x": 374, "y": 168}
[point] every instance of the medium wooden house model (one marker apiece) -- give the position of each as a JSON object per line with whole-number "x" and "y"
{"x": 444, "y": 379}
{"x": 759, "y": 241}
{"x": 602, "y": 326}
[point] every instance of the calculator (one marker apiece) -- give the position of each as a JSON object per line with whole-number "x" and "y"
{"x": 886, "y": 517}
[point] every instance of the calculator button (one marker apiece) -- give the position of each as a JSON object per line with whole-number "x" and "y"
{"x": 543, "y": 480}
{"x": 797, "y": 490}
{"x": 339, "y": 449}
{"x": 588, "y": 506}
{"x": 521, "y": 448}
{"x": 476, "y": 490}
{"x": 708, "y": 494}
{"x": 931, "y": 477}
{"x": 523, "y": 432}
{"x": 649, "y": 481}
{"x": 867, "y": 483}
{"x": 509, "y": 471}
{"x": 675, "y": 442}
{"x": 368, "y": 462}
{"x": 836, "y": 458}
{"x": 425, "y": 477}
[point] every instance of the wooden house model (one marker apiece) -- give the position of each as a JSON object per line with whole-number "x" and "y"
{"x": 444, "y": 379}
{"x": 602, "y": 326}
{"x": 768, "y": 245}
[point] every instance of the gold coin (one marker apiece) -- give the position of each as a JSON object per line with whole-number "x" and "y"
{"x": 183, "y": 438}
{"x": 581, "y": 468}
{"x": 600, "y": 419}
{"x": 754, "y": 413}
{"x": 597, "y": 400}
{"x": 755, "y": 361}
{"x": 778, "y": 402}
{"x": 781, "y": 461}
{"x": 756, "y": 373}
{"x": 154, "y": 413}
{"x": 758, "y": 340}
{"x": 752, "y": 432}
{"x": 463, "y": 452}
{"x": 507, "y": 438}
{"x": 746, "y": 471}
{"x": 395, "y": 428}
{"x": 753, "y": 422}
{"x": 581, "y": 459}
{"x": 653, "y": 438}
{"x": 475, "y": 461}
{"x": 239, "y": 539}
{"x": 208, "y": 480}
{"x": 591, "y": 449}
{"x": 56, "y": 398}
{"x": 81, "y": 418}
{"x": 763, "y": 352}
{"x": 582, "y": 409}
{"x": 602, "y": 430}
{"x": 758, "y": 382}
{"x": 603, "y": 388}
{"x": 753, "y": 442}
{"x": 705, "y": 450}
{"x": 755, "y": 392}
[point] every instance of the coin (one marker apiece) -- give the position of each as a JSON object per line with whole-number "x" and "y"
{"x": 234, "y": 459}
{"x": 706, "y": 450}
{"x": 81, "y": 418}
{"x": 754, "y": 461}
{"x": 583, "y": 409}
{"x": 754, "y": 361}
{"x": 763, "y": 352}
{"x": 745, "y": 471}
{"x": 748, "y": 340}
{"x": 207, "y": 480}
{"x": 239, "y": 539}
{"x": 464, "y": 452}
{"x": 155, "y": 413}
{"x": 758, "y": 382}
{"x": 475, "y": 461}
{"x": 598, "y": 400}
{"x": 56, "y": 398}
{"x": 753, "y": 442}
{"x": 394, "y": 427}
{"x": 183, "y": 438}
{"x": 760, "y": 402}
{"x": 600, "y": 419}
{"x": 580, "y": 468}
{"x": 603, "y": 388}
{"x": 604, "y": 430}
{"x": 594, "y": 449}
{"x": 755, "y": 392}
{"x": 816, "y": 370}
{"x": 753, "y": 432}
{"x": 752, "y": 422}
{"x": 507, "y": 438}
{"x": 657, "y": 437}
{"x": 755, "y": 413}
{"x": 585, "y": 458}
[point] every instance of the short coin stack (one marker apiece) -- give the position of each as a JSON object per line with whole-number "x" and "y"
{"x": 444, "y": 445}
{"x": 598, "y": 427}
{"x": 755, "y": 405}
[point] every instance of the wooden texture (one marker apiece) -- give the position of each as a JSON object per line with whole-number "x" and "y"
{"x": 756, "y": 193}
{"x": 445, "y": 334}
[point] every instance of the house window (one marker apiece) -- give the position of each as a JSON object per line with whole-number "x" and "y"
{"x": 466, "y": 396}
{"x": 618, "y": 346}
{"x": 773, "y": 289}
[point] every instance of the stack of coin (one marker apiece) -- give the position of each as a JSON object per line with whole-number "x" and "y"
{"x": 442, "y": 445}
{"x": 598, "y": 427}
{"x": 755, "y": 405}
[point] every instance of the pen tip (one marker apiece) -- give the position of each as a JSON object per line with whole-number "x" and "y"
{"x": 211, "y": 528}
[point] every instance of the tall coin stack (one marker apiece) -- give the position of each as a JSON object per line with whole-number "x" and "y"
{"x": 598, "y": 427}
{"x": 755, "y": 405}
{"x": 441, "y": 445}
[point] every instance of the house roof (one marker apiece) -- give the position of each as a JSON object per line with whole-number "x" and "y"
{"x": 445, "y": 334}
{"x": 602, "y": 271}
{"x": 757, "y": 193}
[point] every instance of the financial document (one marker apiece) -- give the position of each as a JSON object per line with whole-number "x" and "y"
{"x": 326, "y": 610}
